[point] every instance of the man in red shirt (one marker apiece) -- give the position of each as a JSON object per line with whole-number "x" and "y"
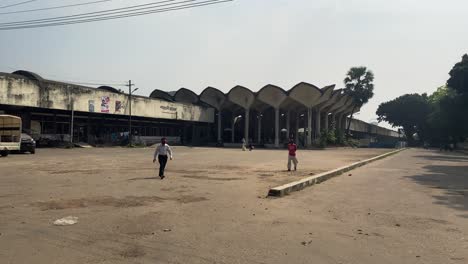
{"x": 292, "y": 147}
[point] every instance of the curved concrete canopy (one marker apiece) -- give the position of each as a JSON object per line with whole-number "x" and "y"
{"x": 109, "y": 89}
{"x": 339, "y": 103}
{"x": 213, "y": 97}
{"x": 306, "y": 93}
{"x": 272, "y": 95}
{"x": 159, "y": 94}
{"x": 186, "y": 96}
{"x": 260, "y": 106}
{"x": 347, "y": 111}
{"x": 292, "y": 105}
{"x": 344, "y": 108}
{"x": 336, "y": 95}
{"x": 327, "y": 93}
{"x": 230, "y": 106}
{"x": 241, "y": 96}
{"x": 29, "y": 75}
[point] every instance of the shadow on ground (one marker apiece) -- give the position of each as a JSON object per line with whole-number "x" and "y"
{"x": 452, "y": 179}
{"x": 145, "y": 178}
{"x": 447, "y": 157}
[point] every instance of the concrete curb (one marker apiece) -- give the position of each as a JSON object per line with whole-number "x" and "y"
{"x": 301, "y": 184}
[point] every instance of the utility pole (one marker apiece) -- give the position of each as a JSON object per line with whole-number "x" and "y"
{"x": 72, "y": 106}
{"x": 72, "y": 118}
{"x": 130, "y": 84}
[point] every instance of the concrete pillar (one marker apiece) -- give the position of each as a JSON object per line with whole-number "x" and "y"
{"x": 246, "y": 126}
{"x": 317, "y": 124}
{"x": 55, "y": 126}
{"x": 276, "y": 127}
{"x": 232, "y": 128}
{"x": 219, "y": 126}
{"x": 259, "y": 131}
{"x": 339, "y": 124}
{"x": 26, "y": 121}
{"x": 89, "y": 135}
{"x": 288, "y": 125}
{"x": 344, "y": 123}
{"x": 309, "y": 127}
{"x": 325, "y": 122}
{"x": 296, "y": 133}
{"x": 333, "y": 121}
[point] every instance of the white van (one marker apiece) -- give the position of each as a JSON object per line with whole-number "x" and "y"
{"x": 10, "y": 134}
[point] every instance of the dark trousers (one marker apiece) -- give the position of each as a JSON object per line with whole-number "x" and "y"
{"x": 162, "y": 164}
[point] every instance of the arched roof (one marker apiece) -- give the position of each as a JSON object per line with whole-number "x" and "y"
{"x": 184, "y": 95}
{"x": 339, "y": 103}
{"x": 241, "y": 96}
{"x": 327, "y": 92}
{"x": 260, "y": 106}
{"x": 159, "y": 94}
{"x": 347, "y": 107}
{"x": 272, "y": 95}
{"x": 335, "y": 96}
{"x": 306, "y": 93}
{"x": 213, "y": 97}
{"x": 108, "y": 88}
{"x": 29, "y": 75}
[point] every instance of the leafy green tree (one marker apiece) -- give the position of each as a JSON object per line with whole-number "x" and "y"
{"x": 447, "y": 122}
{"x": 360, "y": 87}
{"x": 459, "y": 76}
{"x": 409, "y": 111}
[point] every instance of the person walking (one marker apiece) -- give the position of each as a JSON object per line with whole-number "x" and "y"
{"x": 292, "y": 147}
{"x": 251, "y": 147}
{"x": 162, "y": 152}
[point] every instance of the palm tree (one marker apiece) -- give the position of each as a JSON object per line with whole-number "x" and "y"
{"x": 358, "y": 86}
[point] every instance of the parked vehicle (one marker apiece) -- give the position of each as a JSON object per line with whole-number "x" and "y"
{"x": 10, "y": 134}
{"x": 28, "y": 144}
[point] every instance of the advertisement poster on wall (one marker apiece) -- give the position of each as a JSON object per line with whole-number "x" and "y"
{"x": 118, "y": 106}
{"x": 105, "y": 100}
{"x": 91, "y": 106}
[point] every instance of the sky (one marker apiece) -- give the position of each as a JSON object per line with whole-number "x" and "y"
{"x": 410, "y": 45}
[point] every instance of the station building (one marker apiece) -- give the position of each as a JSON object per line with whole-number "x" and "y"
{"x": 268, "y": 117}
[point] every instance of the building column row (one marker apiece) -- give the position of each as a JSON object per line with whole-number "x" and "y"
{"x": 321, "y": 120}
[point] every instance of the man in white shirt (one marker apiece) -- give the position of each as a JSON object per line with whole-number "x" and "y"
{"x": 163, "y": 151}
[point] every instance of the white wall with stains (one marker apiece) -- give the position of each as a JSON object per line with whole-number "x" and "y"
{"x": 20, "y": 91}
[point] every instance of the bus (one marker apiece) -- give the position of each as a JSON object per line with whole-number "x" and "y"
{"x": 10, "y": 134}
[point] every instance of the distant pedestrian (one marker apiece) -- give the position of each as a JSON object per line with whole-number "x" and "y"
{"x": 292, "y": 147}
{"x": 243, "y": 144}
{"x": 162, "y": 152}
{"x": 251, "y": 147}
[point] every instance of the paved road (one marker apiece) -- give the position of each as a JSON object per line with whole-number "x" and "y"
{"x": 408, "y": 208}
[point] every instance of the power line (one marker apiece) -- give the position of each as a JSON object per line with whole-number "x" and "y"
{"x": 53, "y": 7}
{"x": 17, "y": 4}
{"x": 100, "y": 13}
{"x": 104, "y": 17}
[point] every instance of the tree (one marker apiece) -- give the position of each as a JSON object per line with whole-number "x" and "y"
{"x": 459, "y": 76}
{"x": 359, "y": 86}
{"x": 409, "y": 111}
{"x": 447, "y": 122}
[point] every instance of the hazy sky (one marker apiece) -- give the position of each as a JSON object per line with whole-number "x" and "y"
{"x": 409, "y": 44}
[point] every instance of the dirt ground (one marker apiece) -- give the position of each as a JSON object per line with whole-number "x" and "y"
{"x": 212, "y": 208}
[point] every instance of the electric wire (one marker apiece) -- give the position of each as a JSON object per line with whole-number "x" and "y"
{"x": 53, "y": 7}
{"x": 17, "y": 4}
{"x": 107, "y": 17}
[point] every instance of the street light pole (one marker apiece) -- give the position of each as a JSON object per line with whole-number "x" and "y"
{"x": 72, "y": 113}
{"x": 72, "y": 119}
{"x": 130, "y": 111}
{"x": 130, "y": 84}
